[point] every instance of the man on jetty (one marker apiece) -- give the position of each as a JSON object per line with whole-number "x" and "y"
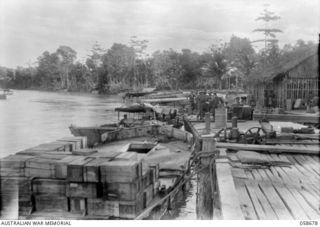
{"x": 201, "y": 100}
{"x": 214, "y": 103}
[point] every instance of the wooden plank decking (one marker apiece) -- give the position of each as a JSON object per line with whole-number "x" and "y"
{"x": 276, "y": 192}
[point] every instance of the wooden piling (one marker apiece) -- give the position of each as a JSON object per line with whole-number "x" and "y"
{"x": 204, "y": 198}
{"x": 207, "y": 122}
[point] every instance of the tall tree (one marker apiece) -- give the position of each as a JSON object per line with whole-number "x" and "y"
{"x": 94, "y": 63}
{"x": 241, "y": 57}
{"x": 217, "y": 63}
{"x": 190, "y": 66}
{"x": 66, "y": 56}
{"x": 48, "y": 74}
{"x": 118, "y": 68}
{"x": 139, "y": 64}
{"x": 166, "y": 69}
{"x": 269, "y": 33}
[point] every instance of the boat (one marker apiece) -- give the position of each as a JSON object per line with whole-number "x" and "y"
{"x": 135, "y": 173}
{"x": 172, "y": 97}
{"x": 143, "y": 92}
{"x": 139, "y": 114}
{"x": 93, "y": 133}
{"x": 136, "y": 117}
{"x": 8, "y": 91}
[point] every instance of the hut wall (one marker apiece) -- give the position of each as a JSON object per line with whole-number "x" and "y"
{"x": 258, "y": 93}
{"x": 300, "y": 82}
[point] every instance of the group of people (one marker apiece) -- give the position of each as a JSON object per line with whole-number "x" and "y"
{"x": 203, "y": 102}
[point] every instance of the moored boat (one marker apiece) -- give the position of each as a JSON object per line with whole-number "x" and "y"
{"x": 136, "y": 171}
{"x": 139, "y": 114}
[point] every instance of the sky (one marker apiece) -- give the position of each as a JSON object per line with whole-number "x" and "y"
{"x": 30, "y": 27}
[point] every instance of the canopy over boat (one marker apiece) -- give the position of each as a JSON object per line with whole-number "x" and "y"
{"x": 145, "y": 107}
{"x": 135, "y": 108}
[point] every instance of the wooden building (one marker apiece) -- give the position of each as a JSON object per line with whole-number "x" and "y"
{"x": 295, "y": 77}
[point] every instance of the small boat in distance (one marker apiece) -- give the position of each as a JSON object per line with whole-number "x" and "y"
{"x": 7, "y": 91}
{"x": 143, "y": 92}
{"x": 3, "y": 96}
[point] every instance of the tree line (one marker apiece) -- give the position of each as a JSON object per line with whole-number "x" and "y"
{"x": 125, "y": 67}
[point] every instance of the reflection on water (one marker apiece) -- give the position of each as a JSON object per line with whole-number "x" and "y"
{"x": 29, "y": 118}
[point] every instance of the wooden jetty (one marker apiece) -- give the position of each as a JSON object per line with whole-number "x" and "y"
{"x": 289, "y": 117}
{"x": 262, "y": 182}
{"x": 132, "y": 173}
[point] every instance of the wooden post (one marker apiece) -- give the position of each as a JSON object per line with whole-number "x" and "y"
{"x": 207, "y": 122}
{"x": 204, "y": 197}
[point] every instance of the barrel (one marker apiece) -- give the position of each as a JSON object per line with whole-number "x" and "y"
{"x": 221, "y": 117}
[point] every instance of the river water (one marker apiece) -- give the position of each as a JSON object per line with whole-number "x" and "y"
{"x": 29, "y": 118}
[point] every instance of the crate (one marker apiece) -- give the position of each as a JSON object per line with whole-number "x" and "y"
{"x": 102, "y": 207}
{"x": 53, "y": 146}
{"x": 41, "y": 163}
{"x": 120, "y": 171}
{"x": 78, "y": 205}
{"x": 122, "y": 191}
{"x": 155, "y": 172}
{"x": 51, "y": 203}
{"x": 75, "y": 169}
{"x": 61, "y": 170}
{"x": 92, "y": 170}
{"x": 49, "y": 186}
{"x": 10, "y": 184}
{"x": 25, "y": 208}
{"x": 41, "y": 173}
{"x": 84, "y": 190}
{"x": 148, "y": 195}
{"x": 84, "y": 152}
{"x": 40, "y": 167}
{"x": 156, "y": 188}
{"x": 77, "y": 142}
{"x": 146, "y": 177}
{"x": 131, "y": 209}
{"x": 12, "y": 172}
{"x": 14, "y": 161}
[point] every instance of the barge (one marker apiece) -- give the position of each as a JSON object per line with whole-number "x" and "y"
{"x": 134, "y": 171}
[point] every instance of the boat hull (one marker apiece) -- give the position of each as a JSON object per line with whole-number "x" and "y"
{"x": 93, "y": 134}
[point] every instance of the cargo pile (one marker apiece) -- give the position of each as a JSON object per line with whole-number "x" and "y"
{"x": 65, "y": 176}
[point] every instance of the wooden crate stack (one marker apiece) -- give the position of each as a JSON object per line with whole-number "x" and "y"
{"x": 65, "y": 176}
{"x": 17, "y": 172}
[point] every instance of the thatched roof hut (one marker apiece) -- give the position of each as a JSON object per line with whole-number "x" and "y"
{"x": 295, "y": 76}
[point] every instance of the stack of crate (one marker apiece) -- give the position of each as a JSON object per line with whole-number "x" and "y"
{"x": 121, "y": 179}
{"x": 79, "y": 189}
{"x": 15, "y": 193}
{"x": 13, "y": 185}
{"x": 71, "y": 178}
{"x": 49, "y": 195}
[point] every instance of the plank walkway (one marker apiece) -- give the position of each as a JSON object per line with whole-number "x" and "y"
{"x": 273, "y": 193}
